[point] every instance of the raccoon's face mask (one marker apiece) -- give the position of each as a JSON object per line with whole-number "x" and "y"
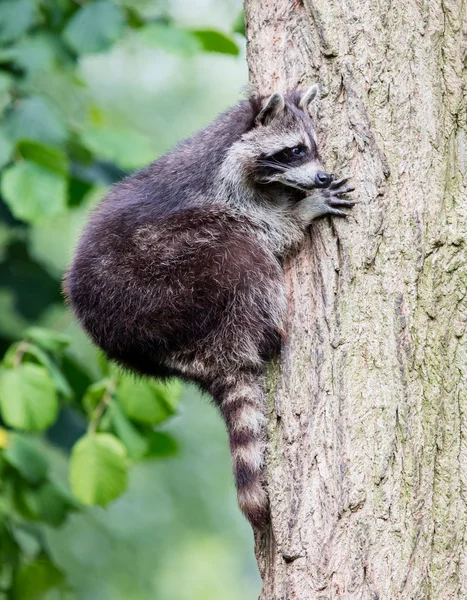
{"x": 287, "y": 145}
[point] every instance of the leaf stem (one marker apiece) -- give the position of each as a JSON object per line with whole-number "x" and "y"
{"x": 20, "y": 352}
{"x": 102, "y": 406}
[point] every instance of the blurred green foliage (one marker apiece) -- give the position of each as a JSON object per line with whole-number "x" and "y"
{"x": 90, "y": 90}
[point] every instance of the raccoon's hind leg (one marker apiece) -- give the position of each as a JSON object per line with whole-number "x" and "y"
{"x": 242, "y": 406}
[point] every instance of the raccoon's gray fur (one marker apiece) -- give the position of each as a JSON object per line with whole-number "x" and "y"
{"x": 178, "y": 272}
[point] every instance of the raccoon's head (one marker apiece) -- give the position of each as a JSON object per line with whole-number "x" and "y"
{"x": 282, "y": 145}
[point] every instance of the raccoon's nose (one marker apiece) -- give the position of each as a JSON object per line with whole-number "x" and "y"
{"x": 322, "y": 179}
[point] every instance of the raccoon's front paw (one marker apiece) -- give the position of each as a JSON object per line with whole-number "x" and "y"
{"x": 332, "y": 197}
{"x": 326, "y": 201}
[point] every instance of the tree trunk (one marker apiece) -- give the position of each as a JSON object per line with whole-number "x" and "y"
{"x": 367, "y": 455}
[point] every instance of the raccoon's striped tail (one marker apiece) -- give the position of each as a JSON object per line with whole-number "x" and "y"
{"x": 242, "y": 406}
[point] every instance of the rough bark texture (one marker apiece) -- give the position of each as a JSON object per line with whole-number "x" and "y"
{"x": 367, "y": 458}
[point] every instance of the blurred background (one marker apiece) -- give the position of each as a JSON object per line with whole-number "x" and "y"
{"x": 110, "y": 488}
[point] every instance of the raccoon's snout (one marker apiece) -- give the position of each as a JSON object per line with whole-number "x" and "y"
{"x": 306, "y": 177}
{"x": 322, "y": 179}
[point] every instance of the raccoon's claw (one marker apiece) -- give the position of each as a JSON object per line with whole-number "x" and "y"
{"x": 338, "y": 187}
{"x": 339, "y": 202}
{"x": 333, "y": 202}
{"x": 337, "y": 183}
{"x": 339, "y": 191}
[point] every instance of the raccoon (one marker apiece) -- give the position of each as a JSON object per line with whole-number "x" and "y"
{"x": 178, "y": 272}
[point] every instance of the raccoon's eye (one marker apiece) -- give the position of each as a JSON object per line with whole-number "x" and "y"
{"x": 298, "y": 151}
{"x": 289, "y": 155}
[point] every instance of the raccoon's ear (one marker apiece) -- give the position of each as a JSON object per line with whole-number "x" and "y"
{"x": 272, "y": 107}
{"x": 308, "y": 97}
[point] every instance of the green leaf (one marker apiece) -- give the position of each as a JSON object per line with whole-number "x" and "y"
{"x": 239, "y": 25}
{"x": 78, "y": 188}
{"x": 161, "y": 445}
{"x": 16, "y": 16}
{"x": 32, "y": 353}
{"x": 9, "y": 549}
{"x": 95, "y": 27}
{"x": 35, "y": 118}
{"x": 6, "y": 82}
{"x": 21, "y": 454}
{"x": 35, "y": 53}
{"x": 135, "y": 443}
{"x": 53, "y": 341}
{"x": 27, "y": 541}
{"x": 94, "y": 395}
{"x": 133, "y": 18}
{"x": 28, "y": 399}
{"x": 61, "y": 383}
{"x": 46, "y": 503}
{"x": 214, "y": 41}
{"x": 170, "y": 39}
{"x": 7, "y": 572}
{"x": 32, "y": 192}
{"x": 98, "y": 469}
{"x": 44, "y": 359}
{"x": 147, "y": 9}
{"x": 148, "y": 401}
{"x": 46, "y": 156}
{"x": 6, "y": 150}
{"x": 51, "y": 242}
{"x": 12, "y": 322}
{"x": 125, "y": 147}
{"x": 8, "y": 235}
{"x": 56, "y": 11}
{"x": 65, "y": 93}
{"x": 35, "y": 579}
{"x": 171, "y": 392}
{"x": 104, "y": 364}
{"x": 9, "y": 358}
{"x": 5, "y": 86}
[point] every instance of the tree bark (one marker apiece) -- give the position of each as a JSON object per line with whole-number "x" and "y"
{"x": 367, "y": 452}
